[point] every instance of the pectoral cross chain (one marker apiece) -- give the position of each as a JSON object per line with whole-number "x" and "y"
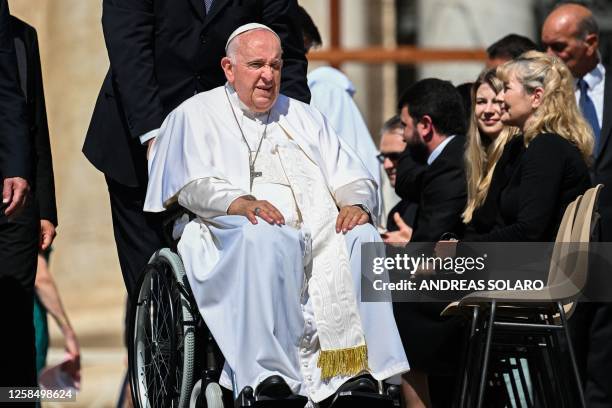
{"x": 253, "y": 174}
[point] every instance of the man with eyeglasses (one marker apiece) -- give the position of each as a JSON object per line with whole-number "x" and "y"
{"x": 401, "y": 217}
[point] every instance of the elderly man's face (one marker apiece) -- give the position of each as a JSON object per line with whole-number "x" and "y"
{"x": 257, "y": 70}
{"x": 561, "y": 37}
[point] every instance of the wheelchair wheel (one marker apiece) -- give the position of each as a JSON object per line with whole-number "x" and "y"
{"x": 162, "y": 336}
{"x": 212, "y": 397}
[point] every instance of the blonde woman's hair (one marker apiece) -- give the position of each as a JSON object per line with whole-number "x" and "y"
{"x": 482, "y": 153}
{"x": 558, "y": 113}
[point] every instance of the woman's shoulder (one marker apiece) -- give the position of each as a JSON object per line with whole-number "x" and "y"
{"x": 552, "y": 142}
{"x": 550, "y": 139}
{"x": 552, "y": 147}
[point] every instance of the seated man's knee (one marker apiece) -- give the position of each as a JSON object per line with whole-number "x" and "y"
{"x": 364, "y": 233}
{"x": 263, "y": 235}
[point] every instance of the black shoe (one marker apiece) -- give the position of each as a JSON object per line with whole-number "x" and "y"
{"x": 363, "y": 383}
{"x": 273, "y": 387}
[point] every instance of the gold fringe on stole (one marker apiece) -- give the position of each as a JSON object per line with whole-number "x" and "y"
{"x": 346, "y": 362}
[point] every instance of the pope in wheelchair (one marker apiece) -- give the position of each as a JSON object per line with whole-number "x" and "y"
{"x": 273, "y": 255}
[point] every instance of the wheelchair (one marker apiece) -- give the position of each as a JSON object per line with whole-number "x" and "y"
{"x": 174, "y": 360}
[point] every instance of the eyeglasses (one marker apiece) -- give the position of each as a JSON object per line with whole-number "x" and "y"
{"x": 391, "y": 156}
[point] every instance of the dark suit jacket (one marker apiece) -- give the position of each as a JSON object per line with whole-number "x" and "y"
{"x": 440, "y": 190}
{"x": 550, "y": 174}
{"x": 411, "y": 166}
{"x": 407, "y": 210}
{"x": 161, "y": 53}
{"x": 30, "y": 78}
{"x": 14, "y": 143}
{"x": 601, "y": 170}
{"x": 441, "y": 193}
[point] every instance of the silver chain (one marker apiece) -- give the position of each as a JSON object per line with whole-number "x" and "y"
{"x": 263, "y": 136}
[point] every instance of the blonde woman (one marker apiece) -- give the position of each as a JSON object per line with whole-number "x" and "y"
{"x": 487, "y": 136}
{"x": 549, "y": 157}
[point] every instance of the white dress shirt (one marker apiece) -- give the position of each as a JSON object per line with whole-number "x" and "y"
{"x": 596, "y": 80}
{"x": 438, "y": 150}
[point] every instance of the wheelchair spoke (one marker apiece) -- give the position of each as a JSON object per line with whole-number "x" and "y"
{"x": 159, "y": 340}
{"x": 180, "y": 343}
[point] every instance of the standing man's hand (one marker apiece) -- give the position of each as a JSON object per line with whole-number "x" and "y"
{"x": 14, "y": 194}
{"x": 349, "y": 217}
{"x": 47, "y": 234}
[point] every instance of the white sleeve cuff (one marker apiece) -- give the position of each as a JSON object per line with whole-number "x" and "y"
{"x": 361, "y": 192}
{"x": 209, "y": 197}
{"x": 148, "y": 136}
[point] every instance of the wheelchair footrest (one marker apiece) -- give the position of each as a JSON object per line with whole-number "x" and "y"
{"x": 295, "y": 401}
{"x": 350, "y": 399}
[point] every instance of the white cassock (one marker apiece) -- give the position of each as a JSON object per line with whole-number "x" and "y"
{"x": 332, "y": 93}
{"x": 268, "y": 293}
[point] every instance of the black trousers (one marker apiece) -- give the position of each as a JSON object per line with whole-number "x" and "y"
{"x": 18, "y": 255}
{"x": 437, "y": 348}
{"x": 591, "y": 329}
{"x": 137, "y": 234}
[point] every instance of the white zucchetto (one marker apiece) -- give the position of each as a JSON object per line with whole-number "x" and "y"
{"x": 248, "y": 27}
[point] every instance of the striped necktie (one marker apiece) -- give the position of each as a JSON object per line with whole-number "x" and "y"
{"x": 207, "y": 5}
{"x": 588, "y": 110}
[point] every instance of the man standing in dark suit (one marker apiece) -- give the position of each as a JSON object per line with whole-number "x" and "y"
{"x": 18, "y": 225}
{"x": 571, "y": 33}
{"x": 30, "y": 79}
{"x": 162, "y": 52}
{"x": 431, "y": 173}
{"x": 14, "y": 143}
{"x": 39, "y": 213}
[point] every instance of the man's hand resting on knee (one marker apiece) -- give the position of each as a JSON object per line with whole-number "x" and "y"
{"x": 349, "y": 217}
{"x": 252, "y": 208}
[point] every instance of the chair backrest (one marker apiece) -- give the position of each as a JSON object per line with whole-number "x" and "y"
{"x": 571, "y": 265}
{"x": 559, "y": 261}
{"x": 581, "y": 232}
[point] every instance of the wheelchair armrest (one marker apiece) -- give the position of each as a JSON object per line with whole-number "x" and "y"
{"x": 169, "y": 217}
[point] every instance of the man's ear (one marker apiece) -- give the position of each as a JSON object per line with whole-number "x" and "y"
{"x": 426, "y": 128}
{"x": 537, "y": 96}
{"x": 228, "y": 69}
{"x": 592, "y": 41}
